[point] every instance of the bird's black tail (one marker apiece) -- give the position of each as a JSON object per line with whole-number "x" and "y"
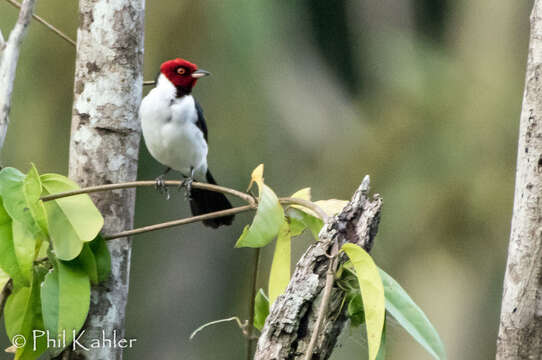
{"x": 204, "y": 201}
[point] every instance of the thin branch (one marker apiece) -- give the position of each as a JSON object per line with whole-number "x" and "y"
{"x": 216, "y": 214}
{"x": 252, "y": 204}
{"x": 233, "y": 318}
{"x": 330, "y": 279}
{"x": 58, "y": 32}
{"x": 196, "y": 185}
{"x": 192, "y": 219}
{"x": 251, "y": 302}
{"x": 47, "y": 25}
{"x": 308, "y": 204}
{"x": 8, "y": 65}
{"x": 173, "y": 223}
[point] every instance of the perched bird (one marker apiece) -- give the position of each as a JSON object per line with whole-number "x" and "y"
{"x": 175, "y": 133}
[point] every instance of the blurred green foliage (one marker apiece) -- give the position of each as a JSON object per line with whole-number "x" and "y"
{"x": 424, "y": 96}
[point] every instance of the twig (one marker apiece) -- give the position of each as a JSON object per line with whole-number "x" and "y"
{"x": 47, "y": 25}
{"x": 196, "y": 185}
{"x": 252, "y": 203}
{"x": 308, "y": 204}
{"x": 252, "y": 295}
{"x": 239, "y": 323}
{"x": 59, "y": 33}
{"x": 192, "y": 219}
{"x": 330, "y": 279}
{"x": 8, "y": 65}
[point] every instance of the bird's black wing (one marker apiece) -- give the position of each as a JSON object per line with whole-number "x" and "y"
{"x": 201, "y": 120}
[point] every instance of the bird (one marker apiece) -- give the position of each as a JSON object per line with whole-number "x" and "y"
{"x": 175, "y": 133}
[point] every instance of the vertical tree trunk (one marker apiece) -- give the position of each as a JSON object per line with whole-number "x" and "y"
{"x": 520, "y": 333}
{"x": 104, "y": 143}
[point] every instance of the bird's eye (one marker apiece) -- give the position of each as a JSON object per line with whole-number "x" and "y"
{"x": 181, "y": 71}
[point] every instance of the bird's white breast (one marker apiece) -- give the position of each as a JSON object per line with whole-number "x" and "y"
{"x": 170, "y": 131}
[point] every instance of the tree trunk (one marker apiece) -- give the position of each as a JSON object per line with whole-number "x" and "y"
{"x": 289, "y": 326}
{"x": 105, "y": 143}
{"x": 520, "y": 332}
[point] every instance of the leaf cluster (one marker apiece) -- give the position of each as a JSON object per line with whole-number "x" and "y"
{"x": 52, "y": 252}
{"x": 376, "y": 289}
{"x": 369, "y": 290}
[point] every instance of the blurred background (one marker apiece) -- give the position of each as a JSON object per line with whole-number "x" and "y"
{"x": 423, "y": 95}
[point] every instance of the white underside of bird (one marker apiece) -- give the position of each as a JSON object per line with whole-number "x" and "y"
{"x": 170, "y": 131}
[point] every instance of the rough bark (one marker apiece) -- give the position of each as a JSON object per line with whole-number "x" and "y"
{"x": 104, "y": 143}
{"x": 9, "y": 56}
{"x": 289, "y": 326}
{"x": 520, "y": 332}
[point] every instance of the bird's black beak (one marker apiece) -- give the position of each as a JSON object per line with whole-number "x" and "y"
{"x": 200, "y": 73}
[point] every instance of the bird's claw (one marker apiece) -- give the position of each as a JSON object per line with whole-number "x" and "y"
{"x": 186, "y": 184}
{"x": 161, "y": 186}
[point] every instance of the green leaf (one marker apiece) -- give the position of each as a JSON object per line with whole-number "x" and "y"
{"x": 279, "y": 277}
{"x": 382, "y": 352}
{"x": 73, "y": 220}
{"x": 43, "y": 251}
{"x": 15, "y": 306}
{"x": 261, "y": 309}
{"x": 22, "y": 223}
{"x": 268, "y": 219}
{"x": 102, "y": 256}
{"x": 8, "y": 258}
{"x": 300, "y": 220}
{"x": 355, "y": 310}
{"x": 32, "y": 189}
{"x": 372, "y": 294}
{"x": 331, "y": 206}
{"x": 24, "y": 246}
{"x": 22, "y": 316}
{"x": 17, "y": 249}
{"x": 95, "y": 259}
{"x": 65, "y": 299}
{"x": 19, "y": 197}
{"x": 411, "y": 317}
{"x": 304, "y": 194}
{"x": 87, "y": 261}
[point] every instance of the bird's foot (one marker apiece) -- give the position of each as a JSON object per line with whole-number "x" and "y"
{"x": 186, "y": 184}
{"x": 161, "y": 186}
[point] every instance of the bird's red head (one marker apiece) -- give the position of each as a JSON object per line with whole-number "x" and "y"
{"x": 182, "y": 73}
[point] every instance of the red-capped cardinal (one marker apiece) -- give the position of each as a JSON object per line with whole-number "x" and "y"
{"x": 175, "y": 133}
